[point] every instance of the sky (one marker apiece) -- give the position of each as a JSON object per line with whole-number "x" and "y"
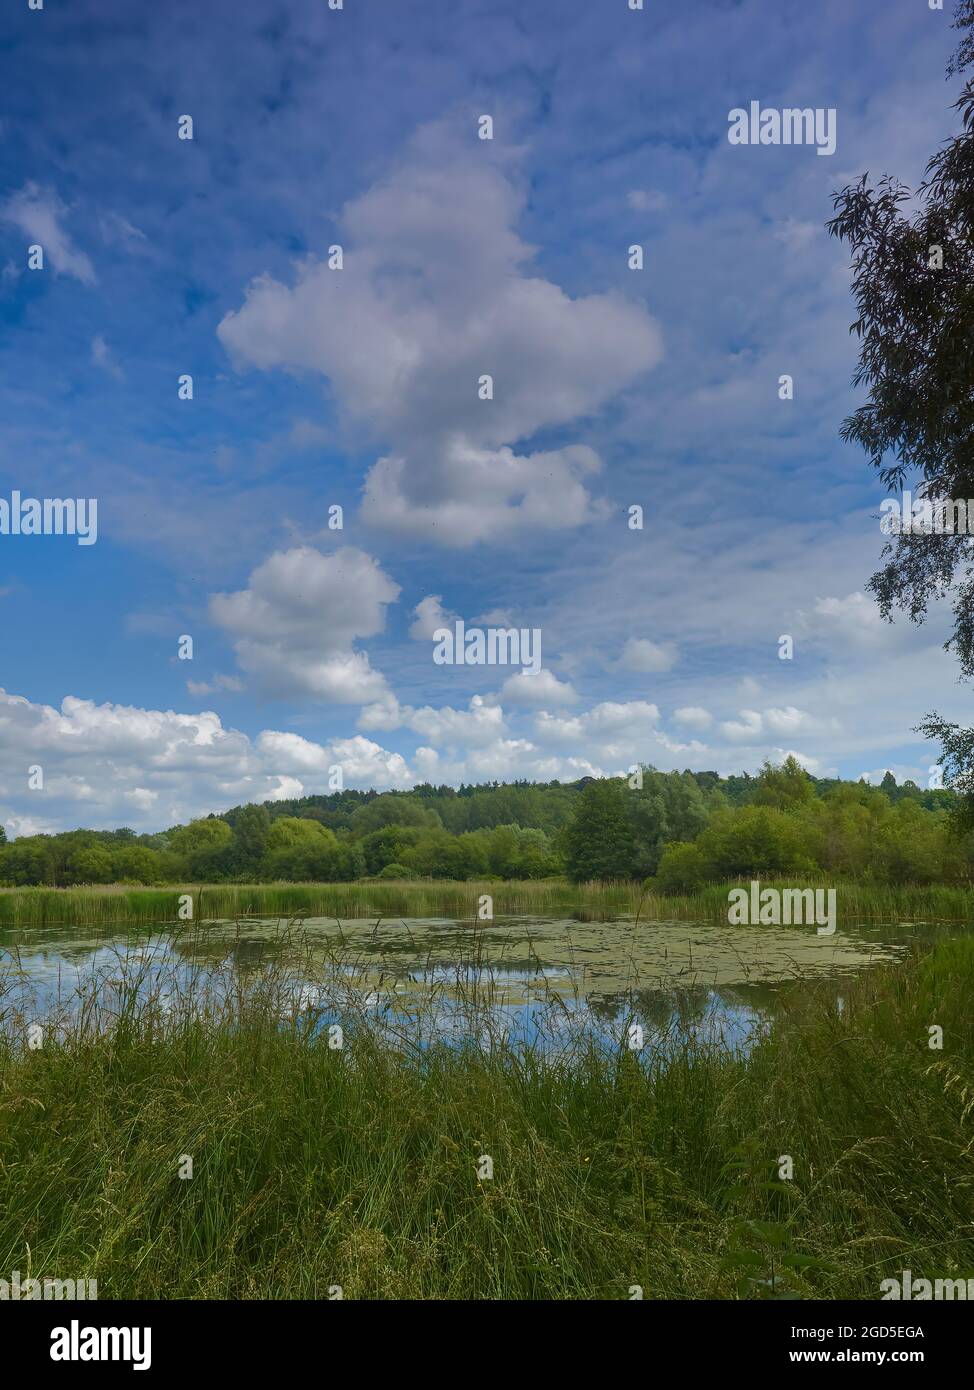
{"x": 338, "y": 259}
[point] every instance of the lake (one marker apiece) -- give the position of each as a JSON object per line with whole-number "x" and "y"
{"x": 535, "y": 980}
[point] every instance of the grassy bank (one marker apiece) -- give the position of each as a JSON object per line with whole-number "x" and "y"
{"x": 119, "y": 905}
{"x": 357, "y": 1167}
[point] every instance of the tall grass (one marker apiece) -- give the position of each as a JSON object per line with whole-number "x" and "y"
{"x": 357, "y": 1167}
{"x": 120, "y": 905}
{"x": 854, "y": 901}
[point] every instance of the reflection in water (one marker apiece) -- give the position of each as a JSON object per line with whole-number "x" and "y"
{"x": 539, "y": 981}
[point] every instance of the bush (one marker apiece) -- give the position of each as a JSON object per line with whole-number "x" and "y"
{"x": 683, "y": 868}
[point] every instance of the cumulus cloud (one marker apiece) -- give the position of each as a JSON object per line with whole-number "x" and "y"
{"x": 787, "y": 720}
{"x": 505, "y": 759}
{"x": 430, "y": 614}
{"x": 537, "y": 688}
{"x": 294, "y": 624}
{"x": 613, "y": 735}
{"x": 107, "y": 765}
{"x": 854, "y": 620}
{"x": 39, "y": 214}
{"x": 640, "y": 654}
{"x": 436, "y": 292}
{"x": 693, "y": 717}
{"x": 756, "y": 724}
{"x": 482, "y": 723}
{"x": 749, "y": 726}
{"x": 363, "y": 763}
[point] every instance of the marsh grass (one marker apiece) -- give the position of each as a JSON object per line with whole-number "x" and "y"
{"x": 117, "y": 905}
{"x": 316, "y": 1167}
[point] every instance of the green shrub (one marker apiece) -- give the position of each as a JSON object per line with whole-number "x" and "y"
{"x": 682, "y": 868}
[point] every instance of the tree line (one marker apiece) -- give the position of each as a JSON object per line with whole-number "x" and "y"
{"x": 679, "y": 829}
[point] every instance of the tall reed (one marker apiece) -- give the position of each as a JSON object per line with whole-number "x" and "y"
{"x": 120, "y": 905}
{"x": 363, "y": 1167}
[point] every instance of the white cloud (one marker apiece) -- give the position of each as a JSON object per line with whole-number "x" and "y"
{"x": 362, "y": 762}
{"x": 854, "y": 619}
{"x": 476, "y": 727}
{"x": 787, "y": 720}
{"x": 693, "y": 717}
{"x": 612, "y": 735}
{"x": 540, "y": 688}
{"x": 294, "y": 625}
{"x": 482, "y": 723}
{"x": 39, "y": 213}
{"x": 143, "y": 798}
{"x": 749, "y": 727}
{"x": 797, "y": 235}
{"x": 437, "y": 291}
{"x": 640, "y": 654}
{"x": 384, "y": 713}
{"x": 754, "y": 724}
{"x": 107, "y": 765}
{"x": 232, "y": 684}
{"x": 430, "y": 615}
{"x": 485, "y": 493}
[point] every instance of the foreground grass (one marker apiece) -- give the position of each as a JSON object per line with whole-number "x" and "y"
{"x": 358, "y": 1167}
{"x": 120, "y": 905}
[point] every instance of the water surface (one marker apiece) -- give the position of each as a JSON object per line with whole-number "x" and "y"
{"x": 539, "y": 980}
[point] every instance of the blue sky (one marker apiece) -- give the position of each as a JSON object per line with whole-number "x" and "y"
{"x": 314, "y": 387}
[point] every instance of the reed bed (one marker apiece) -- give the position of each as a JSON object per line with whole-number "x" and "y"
{"x": 117, "y": 905}
{"x": 361, "y": 1168}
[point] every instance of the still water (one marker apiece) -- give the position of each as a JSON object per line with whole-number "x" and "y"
{"x": 540, "y": 981}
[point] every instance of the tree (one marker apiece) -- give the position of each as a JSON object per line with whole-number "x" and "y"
{"x": 250, "y": 832}
{"x": 204, "y": 846}
{"x": 683, "y": 868}
{"x": 754, "y": 840}
{"x": 392, "y": 809}
{"x": 599, "y": 842}
{"x": 3, "y": 836}
{"x": 26, "y": 862}
{"x": 442, "y": 855}
{"x": 382, "y": 847}
{"x": 136, "y": 864}
{"x": 957, "y": 760}
{"x": 668, "y": 806}
{"x": 398, "y": 871}
{"x": 300, "y": 848}
{"x": 91, "y": 865}
{"x": 913, "y": 284}
{"x": 786, "y": 787}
